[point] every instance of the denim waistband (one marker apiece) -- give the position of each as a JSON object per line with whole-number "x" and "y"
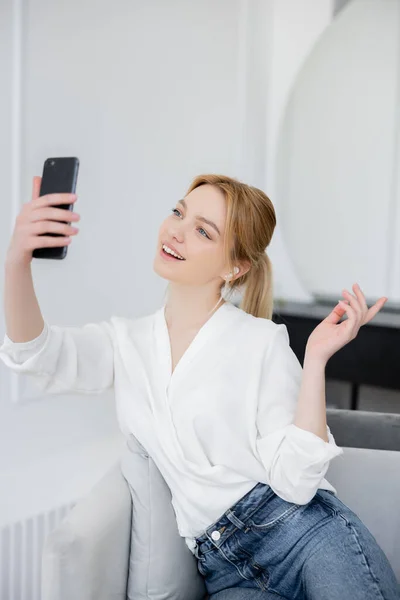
{"x": 233, "y": 518}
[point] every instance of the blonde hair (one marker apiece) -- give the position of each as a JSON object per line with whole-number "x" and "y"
{"x": 250, "y": 223}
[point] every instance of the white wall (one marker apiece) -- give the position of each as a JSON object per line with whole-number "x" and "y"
{"x": 147, "y": 95}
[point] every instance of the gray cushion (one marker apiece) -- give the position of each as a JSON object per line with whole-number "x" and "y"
{"x": 364, "y": 429}
{"x": 161, "y": 565}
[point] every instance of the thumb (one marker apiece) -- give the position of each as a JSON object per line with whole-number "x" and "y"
{"x": 336, "y": 314}
{"x": 36, "y": 187}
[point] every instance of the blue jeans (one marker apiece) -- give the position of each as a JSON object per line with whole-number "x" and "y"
{"x": 315, "y": 551}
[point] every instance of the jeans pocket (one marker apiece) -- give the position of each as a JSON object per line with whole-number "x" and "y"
{"x": 272, "y": 512}
{"x": 201, "y": 566}
{"x": 207, "y": 563}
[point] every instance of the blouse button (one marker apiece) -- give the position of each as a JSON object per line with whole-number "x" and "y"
{"x": 215, "y": 535}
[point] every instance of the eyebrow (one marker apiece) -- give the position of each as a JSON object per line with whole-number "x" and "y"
{"x": 200, "y": 218}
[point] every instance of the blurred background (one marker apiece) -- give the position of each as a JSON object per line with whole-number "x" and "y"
{"x": 298, "y": 97}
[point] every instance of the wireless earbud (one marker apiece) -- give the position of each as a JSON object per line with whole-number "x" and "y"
{"x": 235, "y": 270}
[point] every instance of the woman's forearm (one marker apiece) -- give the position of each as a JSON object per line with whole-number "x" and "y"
{"x": 311, "y": 407}
{"x": 23, "y": 317}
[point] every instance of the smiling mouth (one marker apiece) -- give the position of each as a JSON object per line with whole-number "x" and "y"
{"x": 171, "y": 255}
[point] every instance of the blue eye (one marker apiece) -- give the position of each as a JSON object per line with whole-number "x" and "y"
{"x": 175, "y": 209}
{"x": 204, "y": 232}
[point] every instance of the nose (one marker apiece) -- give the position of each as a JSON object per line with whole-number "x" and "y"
{"x": 174, "y": 234}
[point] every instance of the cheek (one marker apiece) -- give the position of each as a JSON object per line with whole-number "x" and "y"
{"x": 207, "y": 254}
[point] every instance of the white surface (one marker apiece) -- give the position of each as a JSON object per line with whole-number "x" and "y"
{"x": 57, "y": 480}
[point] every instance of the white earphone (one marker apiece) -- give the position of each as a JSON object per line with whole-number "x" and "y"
{"x": 235, "y": 270}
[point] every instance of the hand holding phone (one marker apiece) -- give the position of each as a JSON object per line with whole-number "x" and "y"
{"x": 59, "y": 177}
{"x": 43, "y": 227}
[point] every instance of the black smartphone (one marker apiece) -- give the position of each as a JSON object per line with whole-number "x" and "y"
{"x": 60, "y": 175}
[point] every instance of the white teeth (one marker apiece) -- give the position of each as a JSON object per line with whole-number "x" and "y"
{"x": 172, "y": 252}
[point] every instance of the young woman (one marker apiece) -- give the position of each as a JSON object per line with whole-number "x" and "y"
{"x": 217, "y": 397}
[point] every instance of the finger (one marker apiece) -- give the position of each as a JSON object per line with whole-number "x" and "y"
{"x": 336, "y": 314}
{"x": 376, "y": 308}
{"x": 354, "y": 304}
{"x": 351, "y": 314}
{"x": 360, "y": 296}
{"x": 362, "y": 303}
{"x": 55, "y": 198}
{"x": 36, "y": 187}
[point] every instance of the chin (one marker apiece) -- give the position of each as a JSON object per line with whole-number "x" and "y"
{"x": 162, "y": 269}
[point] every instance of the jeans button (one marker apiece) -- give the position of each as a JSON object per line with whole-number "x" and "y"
{"x": 215, "y": 535}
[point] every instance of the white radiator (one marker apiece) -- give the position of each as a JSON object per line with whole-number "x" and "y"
{"x": 21, "y": 546}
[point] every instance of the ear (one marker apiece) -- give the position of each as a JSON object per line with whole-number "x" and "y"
{"x": 244, "y": 267}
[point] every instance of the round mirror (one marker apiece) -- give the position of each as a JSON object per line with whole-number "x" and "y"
{"x": 338, "y": 163}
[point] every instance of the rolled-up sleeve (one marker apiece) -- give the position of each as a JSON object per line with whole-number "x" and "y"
{"x": 296, "y": 460}
{"x": 65, "y": 359}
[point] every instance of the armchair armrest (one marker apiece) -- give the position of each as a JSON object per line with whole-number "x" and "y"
{"x": 87, "y": 556}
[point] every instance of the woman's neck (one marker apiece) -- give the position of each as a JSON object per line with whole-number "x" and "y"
{"x": 179, "y": 322}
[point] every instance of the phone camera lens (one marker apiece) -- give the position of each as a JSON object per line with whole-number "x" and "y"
{"x": 52, "y": 162}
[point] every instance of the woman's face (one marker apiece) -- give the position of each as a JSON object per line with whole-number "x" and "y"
{"x": 197, "y": 241}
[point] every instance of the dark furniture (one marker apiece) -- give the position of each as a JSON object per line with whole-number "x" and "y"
{"x": 372, "y": 358}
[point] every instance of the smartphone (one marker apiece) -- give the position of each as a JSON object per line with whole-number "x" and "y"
{"x": 60, "y": 175}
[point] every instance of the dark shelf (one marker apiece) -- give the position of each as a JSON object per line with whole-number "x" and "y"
{"x": 372, "y": 358}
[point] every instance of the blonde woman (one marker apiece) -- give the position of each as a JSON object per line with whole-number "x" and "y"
{"x": 216, "y": 395}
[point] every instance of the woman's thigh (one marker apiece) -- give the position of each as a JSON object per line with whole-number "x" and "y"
{"x": 348, "y": 562}
{"x": 295, "y": 552}
{"x": 244, "y": 594}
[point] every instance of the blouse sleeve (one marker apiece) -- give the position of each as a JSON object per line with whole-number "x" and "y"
{"x": 65, "y": 359}
{"x": 296, "y": 460}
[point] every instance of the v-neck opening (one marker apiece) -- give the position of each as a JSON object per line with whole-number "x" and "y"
{"x": 166, "y": 385}
{"x": 194, "y": 345}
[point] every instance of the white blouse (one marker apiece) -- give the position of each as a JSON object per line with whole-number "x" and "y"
{"x": 221, "y": 423}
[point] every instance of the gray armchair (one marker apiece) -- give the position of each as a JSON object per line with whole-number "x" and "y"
{"x": 88, "y": 556}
